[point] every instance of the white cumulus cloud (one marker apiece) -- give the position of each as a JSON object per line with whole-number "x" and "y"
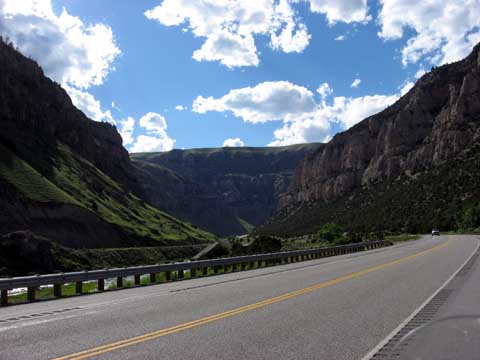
{"x": 230, "y": 27}
{"x": 156, "y": 137}
{"x": 406, "y": 87}
{"x": 317, "y": 126}
{"x": 233, "y": 142}
{"x": 75, "y": 54}
{"x": 324, "y": 90}
{"x": 355, "y": 83}
{"x": 443, "y": 30}
{"x": 89, "y": 105}
{"x": 69, "y": 51}
{"x": 264, "y": 102}
{"x": 347, "y": 11}
{"x": 180, "y": 108}
{"x": 126, "y": 130}
{"x": 349, "y": 111}
{"x": 304, "y": 118}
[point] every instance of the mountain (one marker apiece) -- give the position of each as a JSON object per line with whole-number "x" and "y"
{"x": 66, "y": 178}
{"x": 223, "y": 190}
{"x": 413, "y": 166}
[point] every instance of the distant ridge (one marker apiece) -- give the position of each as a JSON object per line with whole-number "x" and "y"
{"x": 226, "y": 190}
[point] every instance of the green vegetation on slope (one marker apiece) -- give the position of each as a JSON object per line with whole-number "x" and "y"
{"x": 247, "y": 226}
{"x": 29, "y": 181}
{"x": 100, "y": 194}
{"x": 437, "y": 197}
{"x": 70, "y": 179}
{"x": 469, "y": 218}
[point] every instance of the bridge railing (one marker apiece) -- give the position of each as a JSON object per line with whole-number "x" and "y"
{"x": 236, "y": 263}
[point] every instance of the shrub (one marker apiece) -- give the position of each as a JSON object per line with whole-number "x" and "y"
{"x": 331, "y": 232}
{"x": 469, "y": 218}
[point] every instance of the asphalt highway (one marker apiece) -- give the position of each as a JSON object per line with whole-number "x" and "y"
{"x": 335, "y": 308}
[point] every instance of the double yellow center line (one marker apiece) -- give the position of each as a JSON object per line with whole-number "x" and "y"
{"x": 192, "y": 324}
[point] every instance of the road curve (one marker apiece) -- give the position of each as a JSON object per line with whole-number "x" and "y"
{"x": 334, "y": 308}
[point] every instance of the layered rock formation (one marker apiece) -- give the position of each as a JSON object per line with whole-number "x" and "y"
{"x": 435, "y": 121}
{"x": 224, "y": 190}
{"x": 433, "y": 124}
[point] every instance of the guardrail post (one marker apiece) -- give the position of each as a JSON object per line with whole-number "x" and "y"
{"x": 215, "y": 269}
{"x": 57, "y": 290}
{"x": 101, "y": 285}
{"x": 153, "y": 278}
{"x": 31, "y": 294}
{"x": 180, "y": 274}
{"x": 193, "y": 272}
{"x": 168, "y": 276}
{"x": 78, "y": 287}
{"x": 243, "y": 266}
{"x": 137, "y": 280}
{"x": 4, "y": 298}
{"x": 119, "y": 282}
{"x": 205, "y": 271}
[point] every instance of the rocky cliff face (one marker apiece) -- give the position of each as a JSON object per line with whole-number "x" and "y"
{"x": 67, "y": 180}
{"x": 433, "y": 123}
{"x": 36, "y": 113}
{"x": 409, "y": 168}
{"x": 224, "y": 190}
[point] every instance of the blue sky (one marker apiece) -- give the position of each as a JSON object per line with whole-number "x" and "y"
{"x": 240, "y": 82}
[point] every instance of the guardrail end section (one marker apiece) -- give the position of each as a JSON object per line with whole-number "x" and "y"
{"x": 101, "y": 285}
{"x": 57, "y": 290}
{"x": 4, "y": 297}
{"x": 78, "y": 287}
{"x": 31, "y": 293}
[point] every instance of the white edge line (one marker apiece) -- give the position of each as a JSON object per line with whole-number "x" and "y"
{"x": 382, "y": 343}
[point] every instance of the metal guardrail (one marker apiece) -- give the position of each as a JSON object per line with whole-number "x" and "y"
{"x": 57, "y": 280}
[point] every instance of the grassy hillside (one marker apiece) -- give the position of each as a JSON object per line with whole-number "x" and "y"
{"x": 113, "y": 204}
{"x": 29, "y": 182}
{"x": 74, "y": 181}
